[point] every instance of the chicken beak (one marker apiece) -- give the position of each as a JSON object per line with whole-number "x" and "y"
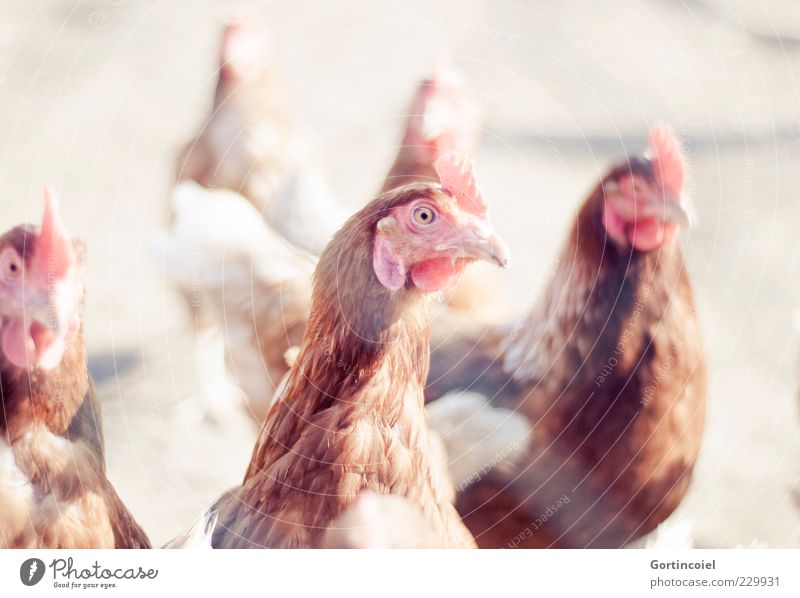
{"x": 675, "y": 212}
{"x": 482, "y": 243}
{"x": 670, "y": 209}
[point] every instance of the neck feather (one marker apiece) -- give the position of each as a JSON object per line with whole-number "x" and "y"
{"x": 365, "y": 349}
{"x": 599, "y": 292}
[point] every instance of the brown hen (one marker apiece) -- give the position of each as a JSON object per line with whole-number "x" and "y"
{"x": 351, "y": 415}
{"x": 53, "y": 489}
{"x": 607, "y": 370}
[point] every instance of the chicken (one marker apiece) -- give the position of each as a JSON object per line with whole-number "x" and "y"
{"x": 53, "y": 489}
{"x": 249, "y": 144}
{"x": 350, "y": 416}
{"x": 444, "y": 117}
{"x": 256, "y": 286}
{"x": 380, "y": 521}
{"x": 607, "y": 370}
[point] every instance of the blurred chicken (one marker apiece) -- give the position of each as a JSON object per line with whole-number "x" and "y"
{"x": 53, "y": 488}
{"x": 351, "y": 416}
{"x": 607, "y": 369}
{"x": 380, "y": 521}
{"x": 256, "y": 286}
{"x": 444, "y": 117}
{"x": 251, "y": 145}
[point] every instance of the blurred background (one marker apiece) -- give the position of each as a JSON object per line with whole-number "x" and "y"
{"x": 96, "y": 97}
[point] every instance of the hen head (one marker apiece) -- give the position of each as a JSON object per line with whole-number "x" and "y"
{"x": 245, "y": 54}
{"x": 443, "y": 118}
{"x": 40, "y": 291}
{"x": 431, "y": 236}
{"x": 643, "y": 200}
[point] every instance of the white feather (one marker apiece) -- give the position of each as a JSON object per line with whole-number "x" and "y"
{"x": 478, "y": 437}
{"x": 199, "y": 535}
{"x": 218, "y": 237}
{"x": 668, "y": 535}
{"x": 305, "y": 211}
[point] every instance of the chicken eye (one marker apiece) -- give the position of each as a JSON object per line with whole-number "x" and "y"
{"x": 10, "y": 264}
{"x": 424, "y": 215}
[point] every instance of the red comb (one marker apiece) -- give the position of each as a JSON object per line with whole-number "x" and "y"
{"x": 445, "y": 74}
{"x": 444, "y": 117}
{"x": 54, "y": 251}
{"x": 457, "y": 175}
{"x": 244, "y": 50}
{"x": 666, "y": 155}
{"x": 445, "y": 85}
